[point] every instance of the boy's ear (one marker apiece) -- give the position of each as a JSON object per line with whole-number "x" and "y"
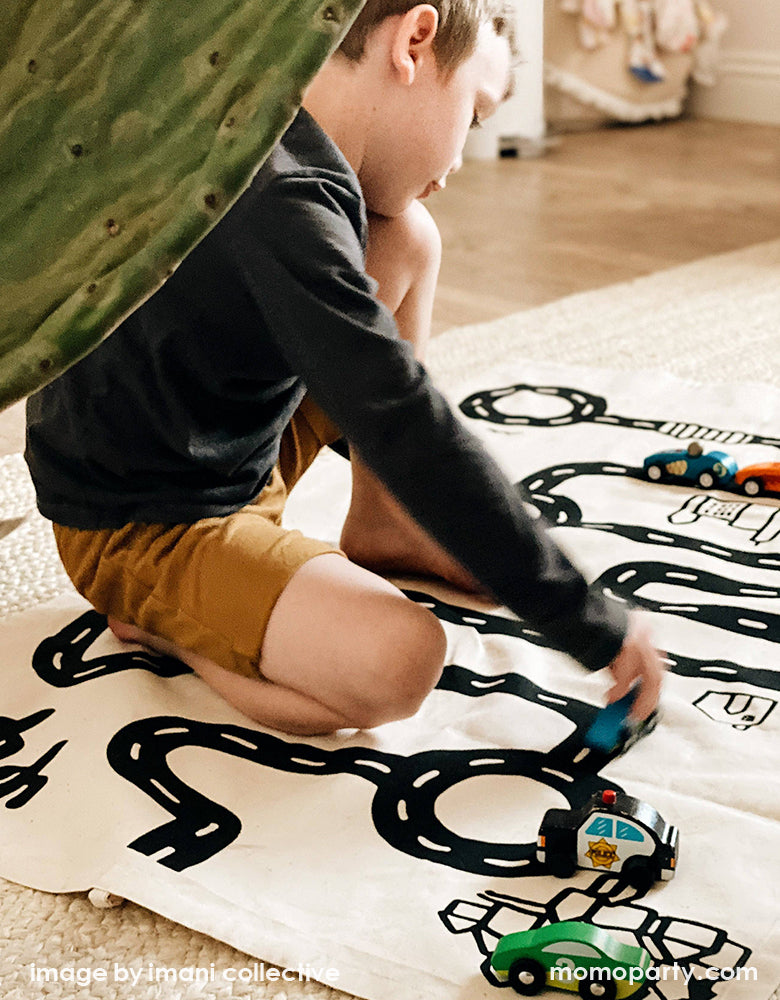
{"x": 413, "y": 40}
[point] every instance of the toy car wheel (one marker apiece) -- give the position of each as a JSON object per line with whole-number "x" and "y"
{"x": 561, "y": 866}
{"x": 752, "y": 487}
{"x": 526, "y": 977}
{"x": 706, "y": 480}
{"x": 639, "y": 873}
{"x": 597, "y": 989}
{"x": 655, "y": 472}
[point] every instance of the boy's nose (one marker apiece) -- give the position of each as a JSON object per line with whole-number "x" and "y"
{"x": 442, "y": 181}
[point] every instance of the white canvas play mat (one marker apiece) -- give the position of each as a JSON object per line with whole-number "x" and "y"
{"x": 387, "y": 864}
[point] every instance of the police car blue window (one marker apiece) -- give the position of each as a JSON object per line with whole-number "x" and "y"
{"x": 627, "y": 832}
{"x": 601, "y": 826}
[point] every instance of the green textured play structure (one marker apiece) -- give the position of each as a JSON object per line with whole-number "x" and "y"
{"x": 127, "y": 129}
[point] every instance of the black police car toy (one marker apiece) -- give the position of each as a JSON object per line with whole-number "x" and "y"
{"x": 613, "y": 832}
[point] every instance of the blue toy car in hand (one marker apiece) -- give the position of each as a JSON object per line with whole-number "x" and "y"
{"x": 612, "y": 732}
{"x": 691, "y": 465}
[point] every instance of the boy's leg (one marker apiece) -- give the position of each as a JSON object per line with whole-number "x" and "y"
{"x": 342, "y": 648}
{"x": 337, "y": 646}
{"x": 403, "y": 256}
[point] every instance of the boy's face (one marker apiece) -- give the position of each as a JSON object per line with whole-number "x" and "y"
{"x": 426, "y": 125}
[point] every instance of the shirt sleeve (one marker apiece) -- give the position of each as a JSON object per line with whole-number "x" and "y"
{"x": 307, "y": 274}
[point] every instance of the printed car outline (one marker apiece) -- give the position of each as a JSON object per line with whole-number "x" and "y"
{"x": 763, "y": 477}
{"x": 691, "y": 465}
{"x": 613, "y": 831}
{"x": 526, "y": 960}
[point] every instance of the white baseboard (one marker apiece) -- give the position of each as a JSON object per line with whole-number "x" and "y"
{"x": 747, "y": 88}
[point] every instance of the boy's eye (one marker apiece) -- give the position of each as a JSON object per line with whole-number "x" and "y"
{"x": 475, "y": 122}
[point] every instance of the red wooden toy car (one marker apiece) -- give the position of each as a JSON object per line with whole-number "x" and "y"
{"x": 761, "y": 478}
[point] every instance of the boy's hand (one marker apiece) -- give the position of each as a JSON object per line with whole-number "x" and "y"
{"x": 638, "y": 662}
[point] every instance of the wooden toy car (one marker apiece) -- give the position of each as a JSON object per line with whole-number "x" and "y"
{"x": 571, "y": 955}
{"x": 613, "y": 832}
{"x": 691, "y": 465}
{"x": 761, "y": 478}
{"x": 612, "y": 730}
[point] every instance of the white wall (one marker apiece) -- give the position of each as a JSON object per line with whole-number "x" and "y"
{"x": 748, "y": 78}
{"x": 522, "y": 116}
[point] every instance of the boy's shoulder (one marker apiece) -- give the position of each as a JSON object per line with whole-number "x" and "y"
{"x": 306, "y": 185}
{"x": 306, "y": 150}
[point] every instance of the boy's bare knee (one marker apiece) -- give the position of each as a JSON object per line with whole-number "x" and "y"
{"x": 418, "y": 661}
{"x": 403, "y": 252}
{"x": 422, "y": 234}
{"x": 407, "y": 666}
{"x": 416, "y": 238}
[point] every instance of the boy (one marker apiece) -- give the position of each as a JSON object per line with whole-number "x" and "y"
{"x": 165, "y": 456}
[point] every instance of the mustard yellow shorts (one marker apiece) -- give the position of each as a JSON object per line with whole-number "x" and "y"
{"x": 209, "y": 586}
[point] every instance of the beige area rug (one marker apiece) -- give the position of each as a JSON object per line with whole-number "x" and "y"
{"x": 715, "y": 321}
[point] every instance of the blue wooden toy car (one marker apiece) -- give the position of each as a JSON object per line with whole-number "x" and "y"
{"x": 612, "y": 730}
{"x": 691, "y": 465}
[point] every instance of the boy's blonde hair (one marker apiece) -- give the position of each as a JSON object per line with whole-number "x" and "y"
{"x": 456, "y": 37}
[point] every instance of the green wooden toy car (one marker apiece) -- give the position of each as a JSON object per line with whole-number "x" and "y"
{"x": 573, "y": 956}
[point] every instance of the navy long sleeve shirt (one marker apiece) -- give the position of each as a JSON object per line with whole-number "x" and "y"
{"x": 177, "y": 415}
